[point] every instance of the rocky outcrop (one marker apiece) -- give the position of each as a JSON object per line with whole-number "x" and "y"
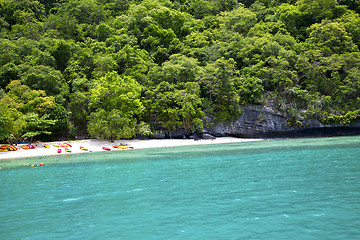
{"x": 263, "y": 122}
{"x": 260, "y": 121}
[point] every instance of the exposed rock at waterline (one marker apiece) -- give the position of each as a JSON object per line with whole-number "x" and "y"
{"x": 207, "y": 136}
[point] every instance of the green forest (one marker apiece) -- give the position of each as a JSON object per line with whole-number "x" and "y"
{"x": 115, "y": 69}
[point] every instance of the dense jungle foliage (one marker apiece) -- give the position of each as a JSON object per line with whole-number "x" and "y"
{"x": 123, "y": 68}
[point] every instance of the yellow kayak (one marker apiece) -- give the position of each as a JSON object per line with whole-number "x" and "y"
{"x": 122, "y": 147}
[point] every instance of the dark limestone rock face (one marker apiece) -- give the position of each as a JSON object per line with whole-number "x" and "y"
{"x": 260, "y": 121}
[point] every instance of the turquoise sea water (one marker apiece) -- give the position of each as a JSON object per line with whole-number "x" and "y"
{"x": 278, "y": 189}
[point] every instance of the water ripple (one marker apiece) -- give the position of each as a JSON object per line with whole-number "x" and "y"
{"x": 268, "y": 190}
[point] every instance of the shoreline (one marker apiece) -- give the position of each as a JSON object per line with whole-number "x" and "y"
{"x": 95, "y": 145}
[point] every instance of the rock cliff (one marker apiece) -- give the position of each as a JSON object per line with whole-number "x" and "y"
{"x": 260, "y": 121}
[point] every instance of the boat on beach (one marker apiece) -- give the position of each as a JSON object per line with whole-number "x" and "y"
{"x": 5, "y": 148}
{"x": 84, "y": 148}
{"x": 28, "y": 146}
{"x": 122, "y": 147}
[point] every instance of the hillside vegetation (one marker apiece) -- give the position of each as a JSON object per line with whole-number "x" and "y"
{"x": 124, "y": 68}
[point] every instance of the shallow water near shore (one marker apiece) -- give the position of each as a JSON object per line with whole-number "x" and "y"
{"x": 278, "y": 189}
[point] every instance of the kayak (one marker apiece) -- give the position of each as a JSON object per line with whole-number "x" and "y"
{"x": 67, "y": 150}
{"x": 64, "y": 145}
{"x": 122, "y": 147}
{"x": 106, "y": 149}
{"x": 59, "y": 150}
{"x": 8, "y": 147}
{"x": 56, "y": 145}
{"x": 46, "y": 146}
{"x": 28, "y": 146}
{"x": 83, "y": 148}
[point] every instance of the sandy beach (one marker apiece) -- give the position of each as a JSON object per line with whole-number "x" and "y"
{"x": 96, "y": 146}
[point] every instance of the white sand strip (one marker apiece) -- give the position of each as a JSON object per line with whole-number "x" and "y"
{"x": 96, "y": 146}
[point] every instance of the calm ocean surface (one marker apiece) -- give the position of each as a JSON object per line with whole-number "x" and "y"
{"x": 278, "y": 189}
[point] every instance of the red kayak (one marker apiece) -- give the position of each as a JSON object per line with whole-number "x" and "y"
{"x": 67, "y": 145}
{"x": 106, "y": 149}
